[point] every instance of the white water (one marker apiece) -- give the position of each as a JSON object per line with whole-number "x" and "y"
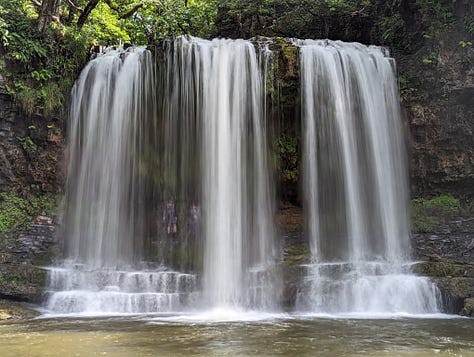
{"x": 104, "y": 220}
{"x": 196, "y": 132}
{"x": 355, "y": 185}
{"x": 219, "y": 83}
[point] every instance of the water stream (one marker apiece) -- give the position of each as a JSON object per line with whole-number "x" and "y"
{"x": 170, "y": 197}
{"x": 187, "y": 139}
{"x": 355, "y": 184}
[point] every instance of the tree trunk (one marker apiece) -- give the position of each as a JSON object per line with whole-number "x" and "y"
{"x": 87, "y": 11}
{"x": 49, "y": 10}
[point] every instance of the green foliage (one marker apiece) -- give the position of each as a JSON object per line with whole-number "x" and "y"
{"x": 26, "y": 99}
{"x": 28, "y": 144}
{"x": 468, "y": 22}
{"x": 156, "y": 21}
{"x": 46, "y": 64}
{"x": 287, "y": 157}
{"x": 42, "y": 75}
{"x": 292, "y": 18}
{"x": 407, "y": 88}
{"x": 430, "y": 59}
{"x": 17, "y": 213}
{"x": 427, "y": 214}
{"x": 465, "y": 44}
{"x": 105, "y": 28}
{"x": 19, "y": 35}
{"x": 391, "y": 27}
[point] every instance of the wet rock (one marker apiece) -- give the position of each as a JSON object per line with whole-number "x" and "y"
{"x": 22, "y": 277}
{"x": 14, "y": 310}
{"x": 29, "y": 158}
{"x": 468, "y": 309}
{"x": 454, "y": 291}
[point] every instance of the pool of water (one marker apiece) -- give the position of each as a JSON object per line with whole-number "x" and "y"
{"x": 279, "y": 335}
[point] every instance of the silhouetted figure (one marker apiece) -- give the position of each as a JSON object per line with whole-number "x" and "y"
{"x": 169, "y": 217}
{"x": 194, "y": 222}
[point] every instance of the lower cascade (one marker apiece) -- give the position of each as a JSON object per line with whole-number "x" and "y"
{"x": 170, "y": 197}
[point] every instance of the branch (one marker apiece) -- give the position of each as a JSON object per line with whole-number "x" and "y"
{"x": 86, "y": 12}
{"x": 91, "y": 5}
{"x": 126, "y": 14}
{"x": 130, "y": 12}
{"x": 36, "y": 3}
{"x": 72, "y": 5}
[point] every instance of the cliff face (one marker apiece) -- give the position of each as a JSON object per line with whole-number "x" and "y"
{"x": 441, "y": 116}
{"x": 30, "y": 150}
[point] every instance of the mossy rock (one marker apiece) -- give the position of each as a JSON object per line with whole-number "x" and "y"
{"x": 468, "y": 309}
{"x": 444, "y": 269}
{"x": 457, "y": 288}
{"x": 14, "y": 310}
{"x": 22, "y": 282}
{"x": 296, "y": 255}
{"x": 7, "y": 258}
{"x": 454, "y": 292}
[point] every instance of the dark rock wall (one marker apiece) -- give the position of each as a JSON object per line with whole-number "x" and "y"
{"x": 30, "y": 150}
{"x": 22, "y": 276}
{"x": 441, "y": 117}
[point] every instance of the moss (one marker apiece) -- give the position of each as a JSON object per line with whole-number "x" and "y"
{"x": 287, "y": 157}
{"x": 443, "y": 269}
{"x": 296, "y": 255}
{"x": 23, "y": 282}
{"x": 468, "y": 309}
{"x": 18, "y": 212}
{"x": 460, "y": 287}
{"x": 290, "y": 54}
{"x": 428, "y": 214}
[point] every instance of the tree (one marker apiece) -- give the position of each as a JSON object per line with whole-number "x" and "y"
{"x": 49, "y": 11}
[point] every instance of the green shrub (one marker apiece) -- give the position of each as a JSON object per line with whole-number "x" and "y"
{"x": 287, "y": 157}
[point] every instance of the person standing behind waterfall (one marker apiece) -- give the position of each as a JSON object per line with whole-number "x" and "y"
{"x": 169, "y": 217}
{"x": 195, "y": 221}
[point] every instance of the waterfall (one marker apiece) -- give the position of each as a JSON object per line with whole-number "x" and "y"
{"x": 355, "y": 184}
{"x": 191, "y": 133}
{"x": 105, "y": 215}
{"x": 170, "y": 198}
{"x": 216, "y": 88}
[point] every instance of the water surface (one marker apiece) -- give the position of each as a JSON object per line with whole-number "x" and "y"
{"x": 282, "y": 336}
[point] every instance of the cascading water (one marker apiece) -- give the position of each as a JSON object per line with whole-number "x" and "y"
{"x": 104, "y": 218}
{"x": 355, "y": 185}
{"x": 217, "y": 92}
{"x": 192, "y": 133}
